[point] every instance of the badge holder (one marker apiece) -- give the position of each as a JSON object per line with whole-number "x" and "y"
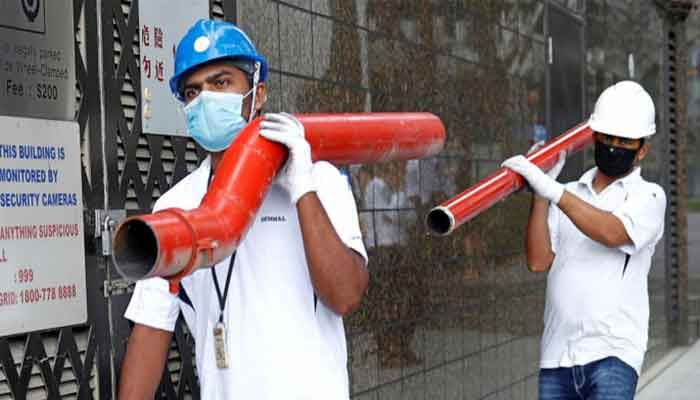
{"x": 220, "y": 346}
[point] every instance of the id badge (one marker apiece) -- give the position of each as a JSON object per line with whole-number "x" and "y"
{"x": 220, "y": 346}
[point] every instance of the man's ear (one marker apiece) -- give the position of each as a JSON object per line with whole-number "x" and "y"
{"x": 260, "y": 96}
{"x": 643, "y": 151}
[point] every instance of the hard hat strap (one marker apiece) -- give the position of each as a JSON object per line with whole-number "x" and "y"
{"x": 256, "y": 78}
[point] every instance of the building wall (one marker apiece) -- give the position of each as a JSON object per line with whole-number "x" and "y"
{"x": 455, "y": 317}
{"x": 692, "y": 158}
{"x": 693, "y": 109}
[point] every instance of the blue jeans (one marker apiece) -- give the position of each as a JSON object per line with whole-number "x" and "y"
{"x": 606, "y": 379}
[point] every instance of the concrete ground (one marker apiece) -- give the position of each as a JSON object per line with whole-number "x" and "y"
{"x": 677, "y": 375}
{"x": 674, "y": 377}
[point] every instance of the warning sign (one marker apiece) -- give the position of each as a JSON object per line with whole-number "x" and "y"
{"x": 42, "y": 255}
{"x": 163, "y": 24}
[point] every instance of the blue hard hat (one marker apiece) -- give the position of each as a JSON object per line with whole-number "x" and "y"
{"x": 209, "y": 40}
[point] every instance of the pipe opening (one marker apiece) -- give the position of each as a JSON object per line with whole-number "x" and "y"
{"x": 439, "y": 221}
{"x": 135, "y": 249}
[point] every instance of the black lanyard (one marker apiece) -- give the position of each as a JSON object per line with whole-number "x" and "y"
{"x": 222, "y": 299}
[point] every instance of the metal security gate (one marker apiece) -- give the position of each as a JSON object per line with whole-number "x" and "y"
{"x": 63, "y": 363}
{"x": 139, "y": 168}
{"x": 123, "y": 172}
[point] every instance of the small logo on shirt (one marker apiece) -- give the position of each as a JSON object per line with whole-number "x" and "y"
{"x": 273, "y": 218}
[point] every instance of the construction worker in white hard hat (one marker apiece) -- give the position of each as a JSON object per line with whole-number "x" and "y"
{"x": 596, "y": 237}
{"x": 267, "y": 321}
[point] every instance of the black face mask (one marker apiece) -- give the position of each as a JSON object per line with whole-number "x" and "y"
{"x": 613, "y": 161}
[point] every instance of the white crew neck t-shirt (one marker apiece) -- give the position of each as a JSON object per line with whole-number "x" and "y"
{"x": 282, "y": 342}
{"x": 597, "y": 303}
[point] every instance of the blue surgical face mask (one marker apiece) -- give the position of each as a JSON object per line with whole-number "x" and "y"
{"x": 214, "y": 118}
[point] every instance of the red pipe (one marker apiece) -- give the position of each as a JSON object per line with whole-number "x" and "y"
{"x": 446, "y": 217}
{"x": 172, "y": 243}
{"x": 372, "y": 137}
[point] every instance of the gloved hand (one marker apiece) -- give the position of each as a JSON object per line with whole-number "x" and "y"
{"x": 543, "y": 184}
{"x": 296, "y": 175}
{"x": 556, "y": 169}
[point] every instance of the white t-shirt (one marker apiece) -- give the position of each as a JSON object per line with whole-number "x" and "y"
{"x": 386, "y": 225}
{"x": 597, "y": 303}
{"x": 281, "y": 342}
{"x": 428, "y": 176}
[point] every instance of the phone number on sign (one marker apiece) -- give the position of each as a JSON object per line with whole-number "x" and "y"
{"x": 61, "y": 292}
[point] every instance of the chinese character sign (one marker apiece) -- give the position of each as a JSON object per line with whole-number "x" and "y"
{"x": 163, "y": 24}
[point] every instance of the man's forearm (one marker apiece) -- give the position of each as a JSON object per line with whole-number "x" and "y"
{"x": 539, "y": 249}
{"x": 143, "y": 363}
{"x": 338, "y": 273}
{"x": 601, "y": 226}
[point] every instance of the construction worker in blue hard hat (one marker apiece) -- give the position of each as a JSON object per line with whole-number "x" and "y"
{"x": 267, "y": 321}
{"x": 596, "y": 237}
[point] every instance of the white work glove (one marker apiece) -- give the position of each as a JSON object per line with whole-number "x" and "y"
{"x": 295, "y": 177}
{"x": 543, "y": 184}
{"x": 556, "y": 169}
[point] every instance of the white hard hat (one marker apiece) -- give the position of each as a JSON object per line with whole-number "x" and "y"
{"x": 626, "y": 110}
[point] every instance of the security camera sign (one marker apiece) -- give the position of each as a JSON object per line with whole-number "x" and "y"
{"x": 37, "y": 59}
{"x": 42, "y": 255}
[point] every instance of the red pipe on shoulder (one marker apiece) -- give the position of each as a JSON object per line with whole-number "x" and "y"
{"x": 172, "y": 243}
{"x": 446, "y": 217}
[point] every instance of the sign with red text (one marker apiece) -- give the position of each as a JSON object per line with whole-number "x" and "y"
{"x": 42, "y": 254}
{"x": 162, "y": 24}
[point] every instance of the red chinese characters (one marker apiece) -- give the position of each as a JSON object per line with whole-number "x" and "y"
{"x": 145, "y": 36}
{"x": 153, "y": 68}
{"x": 157, "y": 37}
{"x": 146, "y": 66}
